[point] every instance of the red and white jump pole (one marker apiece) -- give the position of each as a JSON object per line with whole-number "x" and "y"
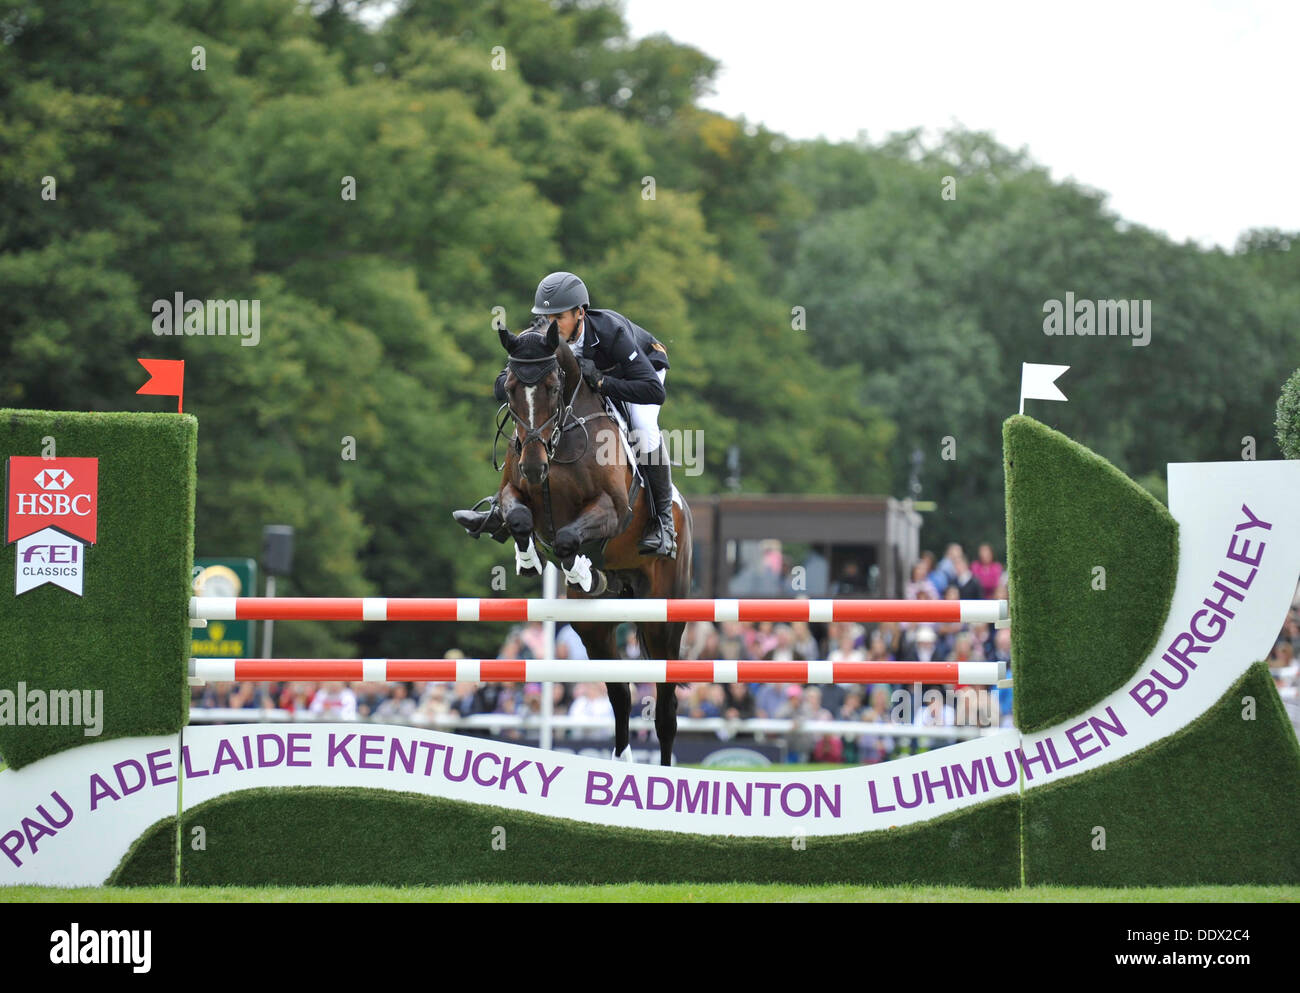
{"x": 591, "y": 671}
{"x": 611, "y": 610}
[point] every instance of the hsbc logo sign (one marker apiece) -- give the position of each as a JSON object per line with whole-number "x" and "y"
{"x": 53, "y": 479}
{"x": 51, "y": 511}
{"x": 53, "y": 504}
{"x": 52, "y": 493}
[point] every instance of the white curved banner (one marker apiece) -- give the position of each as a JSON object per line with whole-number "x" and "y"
{"x": 69, "y": 819}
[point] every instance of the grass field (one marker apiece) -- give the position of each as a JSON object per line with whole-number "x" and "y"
{"x": 644, "y": 893}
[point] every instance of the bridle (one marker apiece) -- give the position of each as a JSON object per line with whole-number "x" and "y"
{"x": 562, "y": 416}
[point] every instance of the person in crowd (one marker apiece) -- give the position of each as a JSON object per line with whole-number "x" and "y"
{"x": 741, "y": 705}
{"x": 334, "y": 701}
{"x": 398, "y": 707}
{"x": 805, "y": 643}
{"x": 964, "y": 579}
{"x": 920, "y": 578}
{"x": 783, "y": 650}
{"x": 731, "y": 642}
{"x": 590, "y": 701}
{"x": 988, "y": 571}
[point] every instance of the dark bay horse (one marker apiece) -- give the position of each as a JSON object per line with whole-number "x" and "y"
{"x": 567, "y": 480}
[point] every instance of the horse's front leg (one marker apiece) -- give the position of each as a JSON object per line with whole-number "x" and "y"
{"x": 596, "y": 521}
{"x": 520, "y": 521}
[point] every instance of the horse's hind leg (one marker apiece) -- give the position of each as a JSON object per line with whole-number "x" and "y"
{"x": 664, "y": 641}
{"x": 666, "y": 720}
{"x": 620, "y": 697}
{"x": 601, "y": 642}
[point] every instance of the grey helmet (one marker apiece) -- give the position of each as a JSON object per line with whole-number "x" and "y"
{"x": 558, "y": 292}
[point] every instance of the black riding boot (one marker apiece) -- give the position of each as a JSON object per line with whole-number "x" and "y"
{"x": 478, "y": 522}
{"x": 660, "y": 536}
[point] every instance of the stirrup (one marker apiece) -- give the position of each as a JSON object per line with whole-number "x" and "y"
{"x": 478, "y": 522}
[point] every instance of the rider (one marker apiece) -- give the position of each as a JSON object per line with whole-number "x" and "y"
{"x": 618, "y": 359}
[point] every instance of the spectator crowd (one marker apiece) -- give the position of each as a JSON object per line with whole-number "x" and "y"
{"x": 952, "y": 577}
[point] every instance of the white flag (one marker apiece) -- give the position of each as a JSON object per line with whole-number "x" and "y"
{"x": 1038, "y": 382}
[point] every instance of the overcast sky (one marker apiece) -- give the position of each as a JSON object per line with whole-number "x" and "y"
{"x": 1184, "y": 113}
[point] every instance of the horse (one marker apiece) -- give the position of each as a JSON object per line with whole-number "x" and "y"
{"x": 581, "y": 499}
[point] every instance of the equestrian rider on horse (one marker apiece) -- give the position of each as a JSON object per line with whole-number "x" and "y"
{"x": 620, "y": 360}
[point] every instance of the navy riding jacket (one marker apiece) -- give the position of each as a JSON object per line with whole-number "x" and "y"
{"x": 626, "y": 353}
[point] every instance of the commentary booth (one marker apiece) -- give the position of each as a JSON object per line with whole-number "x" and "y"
{"x": 795, "y": 545}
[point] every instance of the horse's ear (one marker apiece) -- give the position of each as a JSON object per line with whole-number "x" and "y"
{"x": 553, "y": 336}
{"x": 508, "y": 341}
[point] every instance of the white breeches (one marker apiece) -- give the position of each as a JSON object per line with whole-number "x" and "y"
{"x": 645, "y": 424}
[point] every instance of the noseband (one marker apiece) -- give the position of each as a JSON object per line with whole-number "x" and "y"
{"x": 563, "y": 416}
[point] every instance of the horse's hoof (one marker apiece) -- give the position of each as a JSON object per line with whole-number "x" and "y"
{"x": 625, "y": 757}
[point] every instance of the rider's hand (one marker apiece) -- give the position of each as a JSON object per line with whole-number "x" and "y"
{"x": 591, "y": 374}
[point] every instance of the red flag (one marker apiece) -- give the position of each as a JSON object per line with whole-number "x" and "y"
{"x": 166, "y": 379}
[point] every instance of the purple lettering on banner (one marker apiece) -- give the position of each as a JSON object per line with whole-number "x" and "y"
{"x": 1253, "y": 522}
{"x": 11, "y": 843}
{"x": 137, "y": 769}
{"x": 767, "y": 789}
{"x": 225, "y": 756}
{"x": 1013, "y": 773}
{"x": 975, "y": 782}
{"x": 744, "y": 801}
{"x": 1243, "y": 556}
{"x": 299, "y": 741}
{"x": 1116, "y": 727}
{"x": 898, "y": 792}
{"x": 630, "y": 791}
{"x": 1215, "y": 619}
{"x": 651, "y": 783}
{"x": 509, "y": 772}
{"x": 823, "y": 799}
{"x": 50, "y": 820}
{"x": 692, "y": 800}
{"x": 156, "y": 768}
{"x": 1041, "y": 756}
{"x": 1146, "y": 690}
{"x": 407, "y": 759}
{"x": 263, "y": 760}
{"x": 189, "y": 772}
{"x": 807, "y": 800}
{"x": 876, "y": 808}
{"x": 546, "y": 780}
{"x": 464, "y": 769}
{"x": 1243, "y": 583}
{"x": 248, "y": 752}
{"x": 479, "y": 758}
{"x": 1076, "y": 740}
{"x": 34, "y": 830}
{"x": 1188, "y": 647}
{"x": 929, "y": 785}
{"x": 371, "y": 752}
{"x": 99, "y": 790}
{"x": 599, "y": 782}
{"x": 1056, "y": 762}
{"x": 432, "y": 748}
{"x": 338, "y": 748}
{"x": 1155, "y": 674}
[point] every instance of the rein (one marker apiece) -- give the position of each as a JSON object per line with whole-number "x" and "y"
{"x": 563, "y": 416}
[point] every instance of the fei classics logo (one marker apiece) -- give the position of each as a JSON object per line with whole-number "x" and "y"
{"x": 51, "y": 511}
{"x": 52, "y": 493}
